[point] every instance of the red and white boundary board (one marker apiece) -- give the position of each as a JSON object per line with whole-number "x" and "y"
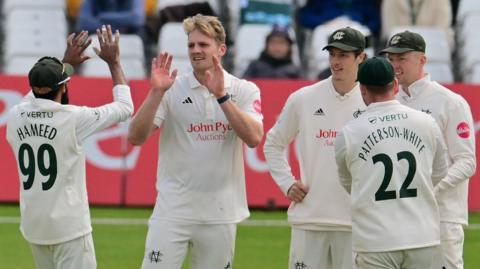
{"x": 120, "y": 174}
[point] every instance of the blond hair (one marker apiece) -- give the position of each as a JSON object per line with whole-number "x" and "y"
{"x": 207, "y": 25}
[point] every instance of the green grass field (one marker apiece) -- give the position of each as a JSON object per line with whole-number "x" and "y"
{"x": 121, "y": 246}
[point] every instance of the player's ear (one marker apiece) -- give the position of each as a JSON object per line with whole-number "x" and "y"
{"x": 423, "y": 59}
{"x": 363, "y": 90}
{"x": 396, "y": 88}
{"x": 222, "y": 49}
{"x": 364, "y": 93}
{"x": 362, "y": 57}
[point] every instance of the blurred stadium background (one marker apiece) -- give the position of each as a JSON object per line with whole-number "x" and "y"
{"x": 122, "y": 177}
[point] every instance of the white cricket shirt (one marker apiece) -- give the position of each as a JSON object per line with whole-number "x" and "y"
{"x": 390, "y": 158}
{"x": 46, "y": 138}
{"x": 200, "y": 177}
{"x": 453, "y": 116}
{"x": 313, "y": 116}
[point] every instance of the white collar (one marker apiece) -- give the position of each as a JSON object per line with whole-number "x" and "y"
{"x": 380, "y": 105}
{"x": 346, "y": 95}
{"x": 416, "y": 88}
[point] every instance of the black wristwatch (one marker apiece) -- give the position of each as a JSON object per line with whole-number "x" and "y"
{"x": 223, "y": 99}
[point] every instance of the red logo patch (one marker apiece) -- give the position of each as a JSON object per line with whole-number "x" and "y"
{"x": 463, "y": 130}
{"x": 257, "y": 106}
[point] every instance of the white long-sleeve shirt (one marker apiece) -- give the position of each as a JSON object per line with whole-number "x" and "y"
{"x": 46, "y": 138}
{"x": 453, "y": 116}
{"x": 313, "y": 115}
{"x": 390, "y": 158}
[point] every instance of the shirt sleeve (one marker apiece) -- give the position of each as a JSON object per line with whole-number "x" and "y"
{"x": 460, "y": 140}
{"x": 91, "y": 120}
{"x": 340, "y": 157}
{"x": 278, "y": 139}
{"x": 252, "y": 104}
{"x": 162, "y": 110}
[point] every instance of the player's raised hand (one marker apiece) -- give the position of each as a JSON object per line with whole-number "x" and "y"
{"x": 214, "y": 81}
{"x": 76, "y": 45}
{"x": 297, "y": 192}
{"x": 160, "y": 77}
{"x": 109, "y": 50}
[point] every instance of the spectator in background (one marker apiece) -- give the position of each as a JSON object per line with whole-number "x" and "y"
{"x": 275, "y": 61}
{"x": 432, "y": 13}
{"x": 317, "y": 12}
{"x": 150, "y": 7}
{"x": 128, "y": 16}
{"x": 73, "y": 8}
{"x": 176, "y": 11}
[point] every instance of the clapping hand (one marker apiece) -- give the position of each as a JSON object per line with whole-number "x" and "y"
{"x": 161, "y": 79}
{"x": 76, "y": 45}
{"x": 214, "y": 81}
{"x": 109, "y": 45}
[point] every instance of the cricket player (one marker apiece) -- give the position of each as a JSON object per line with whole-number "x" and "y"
{"x": 46, "y": 135}
{"x": 206, "y": 116}
{"x": 389, "y": 160}
{"x": 406, "y": 52}
{"x": 320, "y": 209}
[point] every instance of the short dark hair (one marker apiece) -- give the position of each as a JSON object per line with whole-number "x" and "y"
{"x": 379, "y": 89}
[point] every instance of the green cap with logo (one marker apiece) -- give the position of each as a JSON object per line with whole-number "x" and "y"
{"x": 346, "y": 39}
{"x": 376, "y": 71}
{"x": 49, "y": 72}
{"x": 405, "y": 42}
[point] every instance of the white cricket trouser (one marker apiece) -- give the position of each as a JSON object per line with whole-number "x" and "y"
{"x": 320, "y": 249}
{"x": 417, "y": 258}
{"x": 452, "y": 237}
{"x": 78, "y": 253}
{"x": 167, "y": 244}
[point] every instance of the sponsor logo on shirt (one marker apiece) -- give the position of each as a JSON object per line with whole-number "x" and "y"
{"x": 209, "y": 131}
{"x": 326, "y": 133}
{"x": 37, "y": 114}
{"x": 357, "y": 113}
{"x": 390, "y": 117}
{"x": 97, "y": 114}
{"x": 188, "y": 100}
{"x": 463, "y": 130}
{"x": 328, "y": 136}
{"x": 426, "y": 110}
{"x": 257, "y": 106}
{"x": 300, "y": 265}
{"x": 319, "y": 112}
{"x": 155, "y": 256}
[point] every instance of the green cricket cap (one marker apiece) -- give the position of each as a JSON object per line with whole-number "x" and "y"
{"x": 346, "y": 39}
{"x": 405, "y": 42}
{"x": 376, "y": 71}
{"x": 49, "y": 72}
